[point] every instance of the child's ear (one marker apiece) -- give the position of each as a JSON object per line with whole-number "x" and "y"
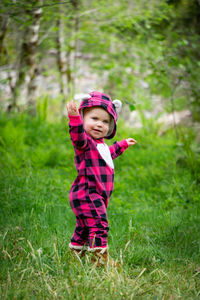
{"x": 118, "y": 105}
{"x": 79, "y": 97}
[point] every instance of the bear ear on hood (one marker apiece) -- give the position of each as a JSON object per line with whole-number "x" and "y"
{"x": 117, "y": 104}
{"x": 79, "y": 97}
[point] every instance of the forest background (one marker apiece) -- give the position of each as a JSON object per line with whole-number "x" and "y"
{"x": 147, "y": 54}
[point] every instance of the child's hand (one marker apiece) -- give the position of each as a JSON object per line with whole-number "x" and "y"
{"x": 131, "y": 142}
{"x": 72, "y": 109}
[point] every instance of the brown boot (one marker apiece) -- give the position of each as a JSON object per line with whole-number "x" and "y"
{"x": 99, "y": 256}
{"x": 78, "y": 250}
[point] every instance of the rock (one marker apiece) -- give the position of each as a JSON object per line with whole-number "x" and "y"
{"x": 183, "y": 117}
{"x": 133, "y": 119}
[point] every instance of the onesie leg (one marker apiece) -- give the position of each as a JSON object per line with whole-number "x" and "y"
{"x": 98, "y": 232}
{"x": 80, "y": 236}
{"x": 97, "y": 222}
{"x": 77, "y": 249}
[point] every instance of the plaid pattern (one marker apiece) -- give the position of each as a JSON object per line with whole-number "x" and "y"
{"x": 93, "y": 186}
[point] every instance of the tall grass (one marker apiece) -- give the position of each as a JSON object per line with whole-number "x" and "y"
{"x": 153, "y": 214}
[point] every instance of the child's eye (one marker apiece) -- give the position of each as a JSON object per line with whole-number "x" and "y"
{"x": 94, "y": 118}
{"x": 106, "y": 121}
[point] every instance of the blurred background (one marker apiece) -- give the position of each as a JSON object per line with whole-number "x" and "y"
{"x": 145, "y": 53}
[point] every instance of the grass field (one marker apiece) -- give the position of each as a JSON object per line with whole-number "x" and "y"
{"x": 154, "y": 216}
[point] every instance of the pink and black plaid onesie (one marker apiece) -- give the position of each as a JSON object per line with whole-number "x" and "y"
{"x": 93, "y": 186}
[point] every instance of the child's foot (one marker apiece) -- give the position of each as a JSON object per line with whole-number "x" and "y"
{"x": 101, "y": 257}
{"x": 78, "y": 249}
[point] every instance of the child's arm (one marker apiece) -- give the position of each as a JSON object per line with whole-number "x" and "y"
{"x": 76, "y": 130}
{"x": 119, "y": 147}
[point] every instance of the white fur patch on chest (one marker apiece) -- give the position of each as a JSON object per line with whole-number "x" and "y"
{"x": 105, "y": 153}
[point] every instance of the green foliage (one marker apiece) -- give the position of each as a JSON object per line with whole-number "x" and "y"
{"x": 189, "y": 152}
{"x": 153, "y": 215}
{"x": 156, "y": 42}
{"x": 150, "y": 41}
{"x": 42, "y": 106}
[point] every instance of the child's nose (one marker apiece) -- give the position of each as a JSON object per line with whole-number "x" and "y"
{"x": 99, "y": 123}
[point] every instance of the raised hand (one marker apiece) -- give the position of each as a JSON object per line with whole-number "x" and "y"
{"x": 72, "y": 109}
{"x": 131, "y": 141}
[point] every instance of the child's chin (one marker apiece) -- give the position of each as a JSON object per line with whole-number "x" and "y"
{"x": 96, "y": 135}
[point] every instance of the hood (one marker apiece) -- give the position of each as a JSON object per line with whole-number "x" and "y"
{"x": 104, "y": 101}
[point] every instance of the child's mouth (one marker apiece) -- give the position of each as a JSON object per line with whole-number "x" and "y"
{"x": 96, "y": 130}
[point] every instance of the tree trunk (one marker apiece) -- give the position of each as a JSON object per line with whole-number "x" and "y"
{"x": 75, "y": 4}
{"x": 21, "y": 69}
{"x": 66, "y": 60}
{"x": 32, "y": 64}
{"x": 3, "y": 29}
{"x": 62, "y": 58}
{"x": 76, "y": 28}
{"x": 26, "y": 66}
{"x": 4, "y": 57}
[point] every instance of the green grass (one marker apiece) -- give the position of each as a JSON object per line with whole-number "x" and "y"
{"x": 153, "y": 214}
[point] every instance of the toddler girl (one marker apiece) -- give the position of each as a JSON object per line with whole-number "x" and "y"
{"x": 92, "y": 188}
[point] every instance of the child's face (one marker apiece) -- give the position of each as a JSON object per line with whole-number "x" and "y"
{"x": 96, "y": 122}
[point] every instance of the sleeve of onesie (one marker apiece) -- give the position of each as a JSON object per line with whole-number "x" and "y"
{"x": 77, "y": 132}
{"x": 118, "y": 148}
